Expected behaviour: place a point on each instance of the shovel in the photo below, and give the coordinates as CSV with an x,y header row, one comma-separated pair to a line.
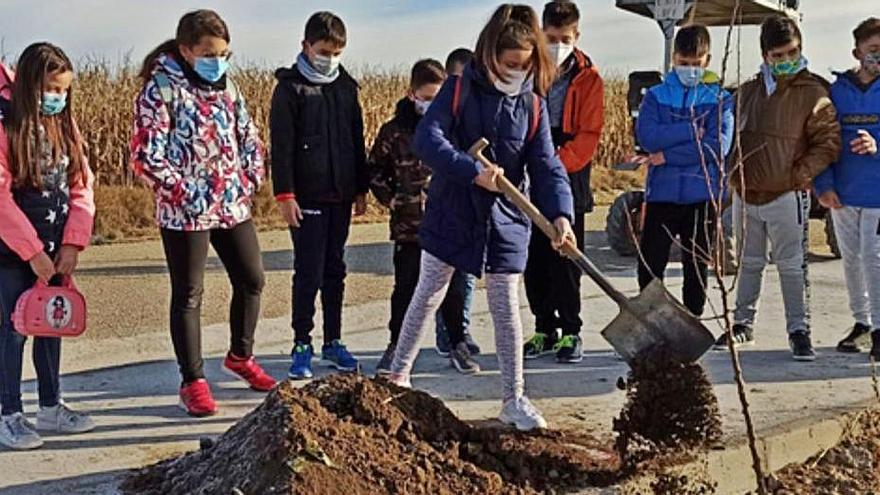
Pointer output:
x,y
650,324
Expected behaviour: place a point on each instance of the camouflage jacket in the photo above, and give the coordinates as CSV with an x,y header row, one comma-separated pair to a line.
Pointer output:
x,y
398,178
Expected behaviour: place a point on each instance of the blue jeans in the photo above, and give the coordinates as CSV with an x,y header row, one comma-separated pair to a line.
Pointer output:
x,y
15,279
462,283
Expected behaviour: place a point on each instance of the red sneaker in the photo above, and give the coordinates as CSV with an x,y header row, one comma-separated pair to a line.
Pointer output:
x,y
249,371
196,399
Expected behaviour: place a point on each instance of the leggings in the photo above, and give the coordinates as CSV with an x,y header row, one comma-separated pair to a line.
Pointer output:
x,y
503,296
186,254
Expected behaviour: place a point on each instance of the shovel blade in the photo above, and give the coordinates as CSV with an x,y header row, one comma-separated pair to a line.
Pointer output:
x,y
655,322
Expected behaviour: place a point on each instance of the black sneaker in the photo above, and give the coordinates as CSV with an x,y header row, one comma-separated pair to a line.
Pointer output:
x,y
443,346
384,366
801,346
570,349
461,359
742,335
875,344
472,345
855,339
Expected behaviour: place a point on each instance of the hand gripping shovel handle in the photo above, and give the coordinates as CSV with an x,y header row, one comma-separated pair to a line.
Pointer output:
x,y
569,250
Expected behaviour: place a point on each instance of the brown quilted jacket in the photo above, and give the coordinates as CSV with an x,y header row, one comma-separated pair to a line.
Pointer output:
x,y
786,139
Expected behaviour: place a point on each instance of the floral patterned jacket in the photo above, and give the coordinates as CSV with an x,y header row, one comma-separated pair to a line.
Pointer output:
x,y
200,153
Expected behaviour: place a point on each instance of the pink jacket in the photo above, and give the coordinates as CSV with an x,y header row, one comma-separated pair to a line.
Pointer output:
x,y
17,231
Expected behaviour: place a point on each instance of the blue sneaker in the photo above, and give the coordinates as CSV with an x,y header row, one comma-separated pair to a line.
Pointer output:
x,y
301,369
337,356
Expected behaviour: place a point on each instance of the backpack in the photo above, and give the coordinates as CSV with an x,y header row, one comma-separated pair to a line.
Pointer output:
x,y
166,91
462,91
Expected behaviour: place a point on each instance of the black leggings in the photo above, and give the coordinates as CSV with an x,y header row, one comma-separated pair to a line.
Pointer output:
x,y
186,254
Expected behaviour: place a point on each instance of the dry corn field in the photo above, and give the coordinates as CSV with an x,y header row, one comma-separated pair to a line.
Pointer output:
x,y
104,106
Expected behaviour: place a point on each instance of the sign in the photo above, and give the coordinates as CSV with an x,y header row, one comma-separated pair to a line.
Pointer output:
x,y
669,10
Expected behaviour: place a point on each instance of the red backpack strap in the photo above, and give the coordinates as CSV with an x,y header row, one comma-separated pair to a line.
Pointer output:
x,y
536,116
456,97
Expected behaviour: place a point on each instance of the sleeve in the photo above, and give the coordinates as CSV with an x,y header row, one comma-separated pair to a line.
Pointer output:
x,y
551,190
434,146
282,135
149,145
655,136
578,152
252,151
81,216
824,182
823,142
360,153
15,230
381,168
715,140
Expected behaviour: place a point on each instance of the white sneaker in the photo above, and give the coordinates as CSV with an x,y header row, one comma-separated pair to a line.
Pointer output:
x,y
522,414
400,380
62,419
18,433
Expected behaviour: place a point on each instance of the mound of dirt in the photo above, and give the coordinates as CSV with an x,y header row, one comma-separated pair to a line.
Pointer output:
x,y
670,408
850,467
350,435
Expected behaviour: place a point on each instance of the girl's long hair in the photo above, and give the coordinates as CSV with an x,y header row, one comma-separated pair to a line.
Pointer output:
x,y
37,62
515,27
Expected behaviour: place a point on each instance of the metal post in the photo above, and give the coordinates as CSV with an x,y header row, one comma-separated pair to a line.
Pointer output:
x,y
668,27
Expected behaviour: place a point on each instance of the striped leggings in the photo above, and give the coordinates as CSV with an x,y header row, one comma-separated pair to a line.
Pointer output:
x,y
503,294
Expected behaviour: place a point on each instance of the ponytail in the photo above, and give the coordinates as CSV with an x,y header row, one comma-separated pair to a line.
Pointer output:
x,y
147,68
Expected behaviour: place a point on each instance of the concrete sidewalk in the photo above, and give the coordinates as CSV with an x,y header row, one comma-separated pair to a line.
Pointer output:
x,y
130,384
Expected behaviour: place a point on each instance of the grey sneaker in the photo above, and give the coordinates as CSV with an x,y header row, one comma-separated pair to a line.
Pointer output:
x,y
522,414
384,366
462,361
18,433
62,419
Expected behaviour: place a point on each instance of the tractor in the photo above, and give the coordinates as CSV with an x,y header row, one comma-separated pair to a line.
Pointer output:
x,y
624,221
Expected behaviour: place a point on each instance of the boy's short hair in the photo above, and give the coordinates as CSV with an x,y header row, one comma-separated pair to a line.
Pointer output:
x,y
561,13
693,41
325,26
866,29
459,56
426,71
779,31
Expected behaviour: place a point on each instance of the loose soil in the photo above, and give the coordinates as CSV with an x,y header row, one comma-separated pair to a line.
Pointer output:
x,y
670,408
852,467
351,435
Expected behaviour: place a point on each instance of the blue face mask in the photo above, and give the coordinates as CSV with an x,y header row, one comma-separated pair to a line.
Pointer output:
x,y
53,103
690,76
211,68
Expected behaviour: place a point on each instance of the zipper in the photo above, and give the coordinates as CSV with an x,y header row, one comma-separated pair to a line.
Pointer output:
x,y
573,110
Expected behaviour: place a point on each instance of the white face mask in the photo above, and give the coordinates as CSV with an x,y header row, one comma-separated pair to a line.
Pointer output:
x,y
326,65
559,52
516,80
421,106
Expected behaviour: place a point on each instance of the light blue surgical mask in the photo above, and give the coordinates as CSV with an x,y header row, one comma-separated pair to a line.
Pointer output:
x,y
53,103
690,76
211,68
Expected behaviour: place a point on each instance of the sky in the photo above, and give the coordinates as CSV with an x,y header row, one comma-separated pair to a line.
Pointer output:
x,y
390,33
